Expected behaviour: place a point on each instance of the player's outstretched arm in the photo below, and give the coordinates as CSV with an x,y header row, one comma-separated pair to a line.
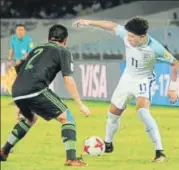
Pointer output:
x,y
108,25
172,92
72,89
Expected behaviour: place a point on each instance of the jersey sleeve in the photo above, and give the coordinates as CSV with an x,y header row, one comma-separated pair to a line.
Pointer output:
x,y
30,45
66,63
162,54
120,31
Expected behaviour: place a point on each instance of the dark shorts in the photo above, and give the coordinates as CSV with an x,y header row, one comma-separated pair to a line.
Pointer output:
x,y
47,105
18,67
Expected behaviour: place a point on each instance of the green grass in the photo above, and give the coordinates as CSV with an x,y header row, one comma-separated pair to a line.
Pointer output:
x,y
42,148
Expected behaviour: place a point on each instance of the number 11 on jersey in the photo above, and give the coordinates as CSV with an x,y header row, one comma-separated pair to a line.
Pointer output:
x,y
134,62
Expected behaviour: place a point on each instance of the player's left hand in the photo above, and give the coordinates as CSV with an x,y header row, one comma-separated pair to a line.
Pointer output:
x,y
81,22
85,110
173,96
24,57
18,62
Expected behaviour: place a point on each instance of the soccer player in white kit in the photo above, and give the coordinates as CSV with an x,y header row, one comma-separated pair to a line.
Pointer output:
x,y
142,51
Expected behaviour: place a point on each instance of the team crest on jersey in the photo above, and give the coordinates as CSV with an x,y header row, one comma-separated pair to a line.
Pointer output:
x,y
31,45
23,51
147,56
167,55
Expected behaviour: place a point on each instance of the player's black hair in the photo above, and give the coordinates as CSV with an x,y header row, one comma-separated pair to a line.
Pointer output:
x,y
137,25
57,33
20,25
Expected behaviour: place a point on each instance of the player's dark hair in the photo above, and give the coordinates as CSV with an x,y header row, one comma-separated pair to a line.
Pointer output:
x,y
57,33
20,25
137,25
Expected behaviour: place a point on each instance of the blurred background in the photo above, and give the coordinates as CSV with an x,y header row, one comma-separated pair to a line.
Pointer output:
x,y
93,48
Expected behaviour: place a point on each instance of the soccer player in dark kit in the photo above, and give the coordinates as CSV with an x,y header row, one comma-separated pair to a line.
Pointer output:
x,y
31,93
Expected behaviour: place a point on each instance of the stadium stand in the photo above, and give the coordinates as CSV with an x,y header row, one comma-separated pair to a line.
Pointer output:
x,y
94,41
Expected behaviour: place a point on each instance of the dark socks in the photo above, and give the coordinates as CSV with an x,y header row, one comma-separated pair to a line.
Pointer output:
x,y
69,139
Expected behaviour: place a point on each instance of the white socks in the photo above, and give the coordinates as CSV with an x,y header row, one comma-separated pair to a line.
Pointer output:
x,y
151,127
113,123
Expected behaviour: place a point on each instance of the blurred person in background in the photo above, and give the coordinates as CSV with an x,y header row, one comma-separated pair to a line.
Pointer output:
x,y
20,46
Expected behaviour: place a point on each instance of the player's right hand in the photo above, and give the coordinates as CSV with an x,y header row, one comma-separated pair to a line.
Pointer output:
x,y
9,63
81,22
84,109
18,62
173,96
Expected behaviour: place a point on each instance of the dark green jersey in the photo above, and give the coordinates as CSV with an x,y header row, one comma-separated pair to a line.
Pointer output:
x,y
41,67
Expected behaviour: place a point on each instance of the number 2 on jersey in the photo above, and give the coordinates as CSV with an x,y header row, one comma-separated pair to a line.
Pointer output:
x,y
36,53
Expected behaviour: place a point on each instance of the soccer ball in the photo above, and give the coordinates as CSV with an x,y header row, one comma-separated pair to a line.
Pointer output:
x,y
94,146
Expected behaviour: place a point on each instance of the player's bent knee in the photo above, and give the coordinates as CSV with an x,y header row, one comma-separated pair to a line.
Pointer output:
x,y
32,121
142,102
65,118
62,120
116,111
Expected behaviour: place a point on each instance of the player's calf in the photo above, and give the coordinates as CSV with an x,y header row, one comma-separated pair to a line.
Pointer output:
x,y
18,132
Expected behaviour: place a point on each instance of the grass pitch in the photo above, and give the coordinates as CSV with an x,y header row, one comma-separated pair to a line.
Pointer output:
x,y
42,147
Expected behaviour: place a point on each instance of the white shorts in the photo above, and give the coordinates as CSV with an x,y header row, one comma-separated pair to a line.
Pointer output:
x,y
128,89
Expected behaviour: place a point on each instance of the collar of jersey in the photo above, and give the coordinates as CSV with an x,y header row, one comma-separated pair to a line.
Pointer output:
x,y
148,41
20,39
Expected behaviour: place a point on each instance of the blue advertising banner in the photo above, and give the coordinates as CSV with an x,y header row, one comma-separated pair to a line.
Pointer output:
x,y
163,72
